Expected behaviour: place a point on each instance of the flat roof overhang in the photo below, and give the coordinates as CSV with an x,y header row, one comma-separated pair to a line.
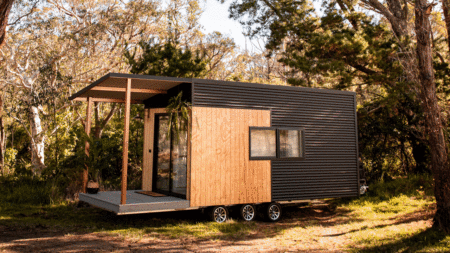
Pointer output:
x,y
112,88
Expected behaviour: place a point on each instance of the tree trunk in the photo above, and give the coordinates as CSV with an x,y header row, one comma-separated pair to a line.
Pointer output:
x,y
445,10
37,141
432,113
5,8
2,137
100,124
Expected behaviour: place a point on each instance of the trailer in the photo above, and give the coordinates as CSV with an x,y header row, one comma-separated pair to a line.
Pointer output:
x,y
251,146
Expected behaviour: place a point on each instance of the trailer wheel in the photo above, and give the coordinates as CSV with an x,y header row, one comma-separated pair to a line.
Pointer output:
x,y
247,212
273,212
219,214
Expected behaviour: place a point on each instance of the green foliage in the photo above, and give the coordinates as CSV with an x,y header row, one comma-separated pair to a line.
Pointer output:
x,y
105,153
347,49
28,190
166,59
324,46
179,116
102,153
390,136
413,185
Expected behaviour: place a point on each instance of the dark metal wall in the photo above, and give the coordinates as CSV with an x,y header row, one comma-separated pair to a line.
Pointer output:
x,y
162,100
330,166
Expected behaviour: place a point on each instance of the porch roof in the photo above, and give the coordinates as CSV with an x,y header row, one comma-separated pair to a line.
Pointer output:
x,y
112,87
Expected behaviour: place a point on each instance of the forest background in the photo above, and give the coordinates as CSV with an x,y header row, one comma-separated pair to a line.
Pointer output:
x,y
393,54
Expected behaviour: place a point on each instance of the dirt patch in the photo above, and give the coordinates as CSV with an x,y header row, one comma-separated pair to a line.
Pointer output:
x,y
99,242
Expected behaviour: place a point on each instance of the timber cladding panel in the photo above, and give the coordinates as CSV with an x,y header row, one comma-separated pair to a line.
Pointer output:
x,y
149,133
221,172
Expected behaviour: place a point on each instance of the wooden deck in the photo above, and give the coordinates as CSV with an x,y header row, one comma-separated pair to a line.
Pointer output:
x,y
136,203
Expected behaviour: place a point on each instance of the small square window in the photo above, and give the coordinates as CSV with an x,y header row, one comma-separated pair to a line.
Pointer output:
x,y
263,143
290,143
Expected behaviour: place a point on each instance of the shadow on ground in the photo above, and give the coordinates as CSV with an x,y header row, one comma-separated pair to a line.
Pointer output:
x,y
45,222
69,228
430,237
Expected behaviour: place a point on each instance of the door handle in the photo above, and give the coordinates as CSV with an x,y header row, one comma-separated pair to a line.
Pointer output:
x,y
149,150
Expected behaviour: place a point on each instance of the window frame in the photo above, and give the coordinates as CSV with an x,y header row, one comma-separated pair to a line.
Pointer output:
x,y
250,143
277,144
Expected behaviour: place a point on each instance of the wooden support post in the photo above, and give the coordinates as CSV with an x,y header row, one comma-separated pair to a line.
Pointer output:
x,y
87,128
126,132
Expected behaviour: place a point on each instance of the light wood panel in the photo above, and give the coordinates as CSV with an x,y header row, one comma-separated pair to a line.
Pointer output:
x,y
107,100
126,134
87,128
221,172
116,89
149,134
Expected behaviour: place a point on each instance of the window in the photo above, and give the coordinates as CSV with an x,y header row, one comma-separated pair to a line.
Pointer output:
x,y
263,143
269,143
290,143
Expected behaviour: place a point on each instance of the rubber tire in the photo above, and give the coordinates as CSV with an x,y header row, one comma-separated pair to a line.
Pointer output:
x,y
269,212
212,211
241,212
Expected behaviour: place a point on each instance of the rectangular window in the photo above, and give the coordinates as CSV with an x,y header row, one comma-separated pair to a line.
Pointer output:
x,y
270,143
263,143
290,143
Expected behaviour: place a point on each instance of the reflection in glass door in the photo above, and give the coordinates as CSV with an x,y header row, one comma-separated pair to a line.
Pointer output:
x,y
170,159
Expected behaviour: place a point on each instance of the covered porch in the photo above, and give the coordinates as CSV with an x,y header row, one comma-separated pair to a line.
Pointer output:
x,y
131,89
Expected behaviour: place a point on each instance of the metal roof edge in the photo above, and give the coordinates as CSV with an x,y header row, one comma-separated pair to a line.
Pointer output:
x,y
85,89
150,77
272,86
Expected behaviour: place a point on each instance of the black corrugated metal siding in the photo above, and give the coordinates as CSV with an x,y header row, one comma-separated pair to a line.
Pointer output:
x,y
330,166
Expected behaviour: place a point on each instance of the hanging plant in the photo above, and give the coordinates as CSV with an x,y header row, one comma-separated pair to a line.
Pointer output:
x,y
179,116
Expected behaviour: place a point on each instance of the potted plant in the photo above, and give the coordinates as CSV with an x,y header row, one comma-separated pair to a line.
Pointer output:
x,y
93,185
179,115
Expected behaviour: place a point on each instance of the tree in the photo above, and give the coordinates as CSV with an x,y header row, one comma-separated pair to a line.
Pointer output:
x,y
433,118
219,51
77,44
349,47
5,8
168,59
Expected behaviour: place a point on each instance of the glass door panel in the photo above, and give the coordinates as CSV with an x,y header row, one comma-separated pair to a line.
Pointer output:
x,y
162,151
170,166
179,163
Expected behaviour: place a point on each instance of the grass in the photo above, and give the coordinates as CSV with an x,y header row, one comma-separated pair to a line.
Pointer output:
x,y
394,217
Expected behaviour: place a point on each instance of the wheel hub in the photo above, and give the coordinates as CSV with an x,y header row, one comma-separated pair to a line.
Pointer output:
x,y
248,212
274,212
220,214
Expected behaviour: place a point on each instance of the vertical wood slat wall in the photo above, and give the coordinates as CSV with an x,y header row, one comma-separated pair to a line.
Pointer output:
x,y
149,133
221,172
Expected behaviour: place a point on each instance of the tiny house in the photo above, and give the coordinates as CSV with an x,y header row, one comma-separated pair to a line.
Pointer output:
x,y
252,146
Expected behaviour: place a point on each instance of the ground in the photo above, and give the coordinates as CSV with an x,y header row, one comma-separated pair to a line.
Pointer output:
x,y
317,227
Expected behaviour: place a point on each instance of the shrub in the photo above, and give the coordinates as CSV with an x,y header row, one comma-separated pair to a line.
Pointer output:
x,y
28,190
413,185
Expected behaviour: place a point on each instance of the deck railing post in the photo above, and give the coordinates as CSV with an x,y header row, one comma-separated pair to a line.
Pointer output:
x,y
126,131
87,129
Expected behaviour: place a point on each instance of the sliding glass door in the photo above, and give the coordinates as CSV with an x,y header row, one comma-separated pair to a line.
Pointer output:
x,y
170,159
